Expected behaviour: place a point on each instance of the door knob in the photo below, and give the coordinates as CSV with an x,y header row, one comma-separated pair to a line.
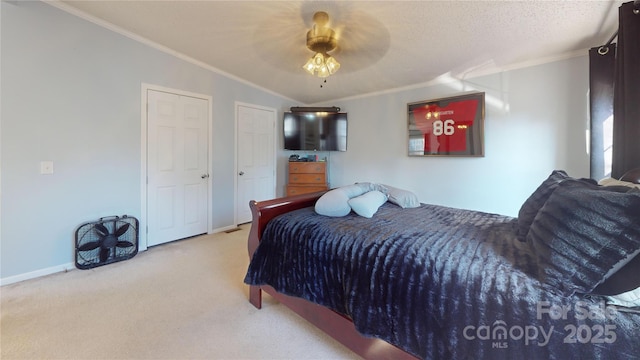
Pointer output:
x,y
241,173
204,176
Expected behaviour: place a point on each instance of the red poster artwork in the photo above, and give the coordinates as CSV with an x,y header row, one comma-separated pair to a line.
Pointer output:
x,y
445,128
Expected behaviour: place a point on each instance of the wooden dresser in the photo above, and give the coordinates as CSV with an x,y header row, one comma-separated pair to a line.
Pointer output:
x,y
306,177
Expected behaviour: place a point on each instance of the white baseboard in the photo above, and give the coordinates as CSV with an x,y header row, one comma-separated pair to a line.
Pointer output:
x,y
37,273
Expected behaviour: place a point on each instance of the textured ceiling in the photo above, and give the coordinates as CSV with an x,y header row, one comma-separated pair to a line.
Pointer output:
x,y
382,45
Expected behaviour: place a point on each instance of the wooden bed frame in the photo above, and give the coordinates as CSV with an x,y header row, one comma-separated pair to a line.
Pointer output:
x,y
332,323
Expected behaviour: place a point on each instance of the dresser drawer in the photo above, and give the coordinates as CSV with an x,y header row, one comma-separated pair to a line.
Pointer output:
x,y
297,190
307,178
306,167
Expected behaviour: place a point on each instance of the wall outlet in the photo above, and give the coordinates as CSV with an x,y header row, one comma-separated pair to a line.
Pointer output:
x,y
46,167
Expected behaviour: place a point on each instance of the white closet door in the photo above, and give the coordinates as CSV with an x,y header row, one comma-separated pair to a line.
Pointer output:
x,y
177,141
256,158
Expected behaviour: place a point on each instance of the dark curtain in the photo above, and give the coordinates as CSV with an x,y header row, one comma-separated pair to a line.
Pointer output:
x,y
626,99
614,80
601,77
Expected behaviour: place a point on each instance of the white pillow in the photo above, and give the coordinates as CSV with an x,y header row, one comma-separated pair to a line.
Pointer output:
x,y
369,186
614,182
368,204
403,198
335,202
353,190
627,299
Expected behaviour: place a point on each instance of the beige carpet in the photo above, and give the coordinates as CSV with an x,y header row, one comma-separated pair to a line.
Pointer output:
x,y
183,300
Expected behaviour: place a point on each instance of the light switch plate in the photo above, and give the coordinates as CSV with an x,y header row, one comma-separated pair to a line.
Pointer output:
x,y
46,167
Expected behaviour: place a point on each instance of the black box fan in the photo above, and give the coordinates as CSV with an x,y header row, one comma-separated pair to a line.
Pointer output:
x,y
106,241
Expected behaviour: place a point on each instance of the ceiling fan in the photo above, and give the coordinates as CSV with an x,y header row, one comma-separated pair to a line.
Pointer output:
x,y
361,40
321,39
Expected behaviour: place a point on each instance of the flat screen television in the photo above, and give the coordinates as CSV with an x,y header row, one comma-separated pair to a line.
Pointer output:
x,y
315,131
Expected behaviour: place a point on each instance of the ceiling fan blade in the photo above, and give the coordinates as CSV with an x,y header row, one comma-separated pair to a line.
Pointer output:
x,y
101,229
89,246
122,229
104,254
124,244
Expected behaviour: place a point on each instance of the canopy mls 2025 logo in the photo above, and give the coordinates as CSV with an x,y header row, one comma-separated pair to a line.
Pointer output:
x,y
500,334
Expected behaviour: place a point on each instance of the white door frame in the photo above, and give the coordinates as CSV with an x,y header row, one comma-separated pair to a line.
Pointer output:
x,y
235,159
142,230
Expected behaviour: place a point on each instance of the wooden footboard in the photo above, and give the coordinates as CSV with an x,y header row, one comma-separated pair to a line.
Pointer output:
x,y
262,212
332,323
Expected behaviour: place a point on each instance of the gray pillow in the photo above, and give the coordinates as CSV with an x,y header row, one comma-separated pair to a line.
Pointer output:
x,y
403,198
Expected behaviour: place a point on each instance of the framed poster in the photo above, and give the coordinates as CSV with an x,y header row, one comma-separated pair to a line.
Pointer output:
x,y
452,126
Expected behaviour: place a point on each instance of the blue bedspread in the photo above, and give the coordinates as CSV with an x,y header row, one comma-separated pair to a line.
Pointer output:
x,y
440,283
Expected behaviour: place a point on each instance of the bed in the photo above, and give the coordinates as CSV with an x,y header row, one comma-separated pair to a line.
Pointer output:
x,y
434,282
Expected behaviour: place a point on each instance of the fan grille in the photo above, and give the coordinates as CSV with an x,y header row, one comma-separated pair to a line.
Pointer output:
x,y
106,241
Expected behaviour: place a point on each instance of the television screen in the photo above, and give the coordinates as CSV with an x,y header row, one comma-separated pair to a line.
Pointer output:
x,y
315,131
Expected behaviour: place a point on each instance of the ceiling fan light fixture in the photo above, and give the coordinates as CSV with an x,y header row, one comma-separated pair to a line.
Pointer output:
x,y
310,66
332,64
323,71
321,39
318,59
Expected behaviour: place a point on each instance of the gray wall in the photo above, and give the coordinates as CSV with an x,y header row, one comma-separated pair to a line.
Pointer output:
x,y
535,122
71,94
